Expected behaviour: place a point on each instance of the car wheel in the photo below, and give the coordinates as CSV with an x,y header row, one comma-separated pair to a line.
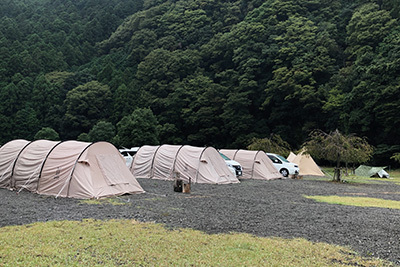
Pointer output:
x,y
284,172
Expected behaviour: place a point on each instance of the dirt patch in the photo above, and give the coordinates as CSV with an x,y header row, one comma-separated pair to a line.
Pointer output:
x,y
263,208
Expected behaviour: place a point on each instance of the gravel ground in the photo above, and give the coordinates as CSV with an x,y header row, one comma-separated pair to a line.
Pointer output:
x,y
263,208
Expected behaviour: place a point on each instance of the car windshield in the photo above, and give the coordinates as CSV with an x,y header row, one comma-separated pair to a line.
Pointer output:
x,y
282,158
224,157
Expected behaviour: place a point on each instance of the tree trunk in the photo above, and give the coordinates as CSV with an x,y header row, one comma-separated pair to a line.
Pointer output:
x,y
336,175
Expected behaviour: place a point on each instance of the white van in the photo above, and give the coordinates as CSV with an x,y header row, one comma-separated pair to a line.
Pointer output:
x,y
284,166
128,154
234,166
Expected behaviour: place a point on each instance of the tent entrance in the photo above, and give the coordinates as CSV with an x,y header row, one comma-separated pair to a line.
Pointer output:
x,y
107,165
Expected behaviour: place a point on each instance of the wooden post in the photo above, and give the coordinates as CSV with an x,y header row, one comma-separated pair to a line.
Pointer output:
x,y
186,187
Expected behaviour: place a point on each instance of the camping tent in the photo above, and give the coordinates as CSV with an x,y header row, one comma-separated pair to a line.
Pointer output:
x,y
197,164
291,156
369,171
255,164
8,153
68,169
306,164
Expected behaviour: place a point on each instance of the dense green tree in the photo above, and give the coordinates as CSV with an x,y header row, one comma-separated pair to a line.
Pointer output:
x,y
122,102
368,27
85,105
338,148
47,133
396,157
9,100
137,129
362,93
212,72
141,43
106,74
46,96
7,130
200,116
25,124
102,131
236,118
83,137
302,63
160,75
273,144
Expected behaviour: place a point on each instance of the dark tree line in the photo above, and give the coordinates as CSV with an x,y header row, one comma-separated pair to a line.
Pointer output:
x,y
200,72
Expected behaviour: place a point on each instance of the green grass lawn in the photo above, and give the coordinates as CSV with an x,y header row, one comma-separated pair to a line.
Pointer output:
x,y
127,242
352,178
358,201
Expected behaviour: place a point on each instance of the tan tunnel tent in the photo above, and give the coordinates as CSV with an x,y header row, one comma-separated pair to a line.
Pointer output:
x,y
306,164
197,164
8,153
255,164
67,169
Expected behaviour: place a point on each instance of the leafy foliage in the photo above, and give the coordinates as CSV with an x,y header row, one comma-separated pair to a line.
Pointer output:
x,y
102,131
396,157
216,73
273,144
137,129
338,148
47,133
85,105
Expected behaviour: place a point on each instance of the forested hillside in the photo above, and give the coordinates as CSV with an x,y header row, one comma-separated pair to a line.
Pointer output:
x,y
200,72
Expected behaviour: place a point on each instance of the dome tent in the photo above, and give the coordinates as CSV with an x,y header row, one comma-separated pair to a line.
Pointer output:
x,y
68,169
197,164
255,164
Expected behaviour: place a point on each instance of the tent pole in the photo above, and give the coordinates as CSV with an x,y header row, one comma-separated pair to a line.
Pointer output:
x,y
73,169
44,161
152,162
176,156
12,181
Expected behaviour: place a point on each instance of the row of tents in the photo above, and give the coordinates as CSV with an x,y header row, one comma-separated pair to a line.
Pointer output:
x,y
95,170
199,164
